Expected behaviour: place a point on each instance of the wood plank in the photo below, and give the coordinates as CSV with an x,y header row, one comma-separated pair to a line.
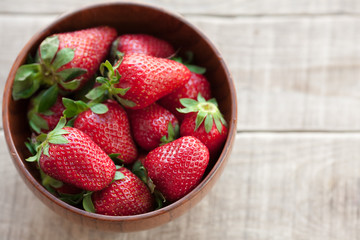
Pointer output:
x,y
290,73
295,186
208,7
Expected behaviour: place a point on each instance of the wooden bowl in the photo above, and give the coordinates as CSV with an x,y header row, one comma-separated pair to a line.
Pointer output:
x,y
126,18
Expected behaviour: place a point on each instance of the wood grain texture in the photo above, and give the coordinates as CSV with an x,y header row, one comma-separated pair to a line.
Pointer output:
x,y
204,7
292,187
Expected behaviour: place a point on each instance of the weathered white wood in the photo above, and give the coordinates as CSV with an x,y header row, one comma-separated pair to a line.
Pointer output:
x,y
275,186
208,7
290,73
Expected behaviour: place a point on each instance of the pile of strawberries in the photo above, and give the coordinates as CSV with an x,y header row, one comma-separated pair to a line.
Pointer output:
x,y
120,124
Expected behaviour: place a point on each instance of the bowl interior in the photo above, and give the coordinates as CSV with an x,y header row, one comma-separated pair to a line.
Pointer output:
x,y
126,18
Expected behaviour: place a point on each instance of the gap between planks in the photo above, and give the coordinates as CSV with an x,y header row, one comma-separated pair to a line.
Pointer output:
x,y
218,16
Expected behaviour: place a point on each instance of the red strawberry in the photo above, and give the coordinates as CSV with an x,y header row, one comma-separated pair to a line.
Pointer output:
x,y
70,156
139,80
200,123
44,120
91,47
176,168
152,126
126,196
146,44
67,59
110,130
196,84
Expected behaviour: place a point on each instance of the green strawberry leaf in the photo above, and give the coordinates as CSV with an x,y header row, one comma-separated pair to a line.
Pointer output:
x,y
73,108
41,137
70,123
99,108
48,98
186,110
115,158
96,93
118,176
189,57
106,65
199,119
72,199
64,56
71,73
218,123
26,71
87,203
46,148
46,180
57,139
31,147
32,159
125,102
27,81
115,54
37,123
139,170
61,124
36,157
173,133
208,123
48,49
159,199
59,132
188,102
114,155
47,113
200,98
70,85
121,91
102,80
196,69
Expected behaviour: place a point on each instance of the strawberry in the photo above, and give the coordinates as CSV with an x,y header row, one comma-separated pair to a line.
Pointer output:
x,y
110,130
196,84
176,168
138,80
70,156
200,123
44,113
152,126
66,59
124,197
143,43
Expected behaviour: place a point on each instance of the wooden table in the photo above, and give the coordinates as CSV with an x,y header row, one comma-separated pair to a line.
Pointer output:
x,y
294,172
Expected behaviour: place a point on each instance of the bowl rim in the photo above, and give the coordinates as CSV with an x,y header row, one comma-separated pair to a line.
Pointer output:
x,y
31,179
